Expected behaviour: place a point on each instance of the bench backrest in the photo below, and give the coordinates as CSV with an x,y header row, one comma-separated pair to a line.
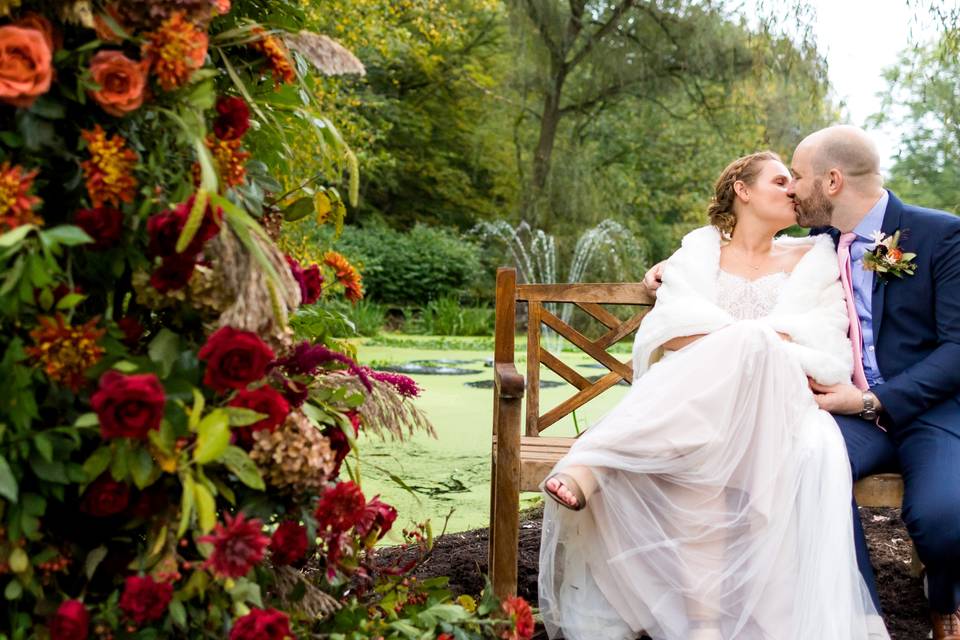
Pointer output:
x,y
590,297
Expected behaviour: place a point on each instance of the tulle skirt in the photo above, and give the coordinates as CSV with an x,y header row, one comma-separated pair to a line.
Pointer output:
x,y
723,502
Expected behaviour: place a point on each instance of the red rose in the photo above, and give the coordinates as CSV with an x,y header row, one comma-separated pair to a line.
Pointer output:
x,y
122,82
103,224
150,502
174,273
70,622
265,400
164,230
312,284
262,624
131,328
340,507
377,517
310,280
105,497
233,119
237,546
165,227
288,545
128,406
144,599
234,359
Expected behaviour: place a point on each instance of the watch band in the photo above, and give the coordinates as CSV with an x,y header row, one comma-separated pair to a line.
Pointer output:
x,y
869,411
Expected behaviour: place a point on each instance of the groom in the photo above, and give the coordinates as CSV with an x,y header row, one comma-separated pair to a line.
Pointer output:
x,y
903,411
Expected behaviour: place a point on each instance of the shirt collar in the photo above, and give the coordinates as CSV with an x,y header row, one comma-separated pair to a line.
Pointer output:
x,y
873,221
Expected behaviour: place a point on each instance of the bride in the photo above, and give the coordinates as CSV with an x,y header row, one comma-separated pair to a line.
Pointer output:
x,y
713,502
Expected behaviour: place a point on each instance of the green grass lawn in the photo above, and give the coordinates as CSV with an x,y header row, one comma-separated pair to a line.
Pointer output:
x,y
452,472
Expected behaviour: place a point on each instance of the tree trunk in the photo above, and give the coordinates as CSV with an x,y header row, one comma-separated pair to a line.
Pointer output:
x,y
549,123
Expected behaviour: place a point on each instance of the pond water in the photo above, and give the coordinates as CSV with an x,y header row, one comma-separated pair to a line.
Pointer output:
x,y
452,472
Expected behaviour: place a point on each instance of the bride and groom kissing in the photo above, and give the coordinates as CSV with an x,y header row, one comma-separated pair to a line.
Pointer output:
x,y
714,501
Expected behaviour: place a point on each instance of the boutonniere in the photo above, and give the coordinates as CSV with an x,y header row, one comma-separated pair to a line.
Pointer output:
x,y
886,257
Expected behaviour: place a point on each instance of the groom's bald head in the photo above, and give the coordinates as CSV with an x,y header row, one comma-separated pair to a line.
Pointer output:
x,y
836,177
843,147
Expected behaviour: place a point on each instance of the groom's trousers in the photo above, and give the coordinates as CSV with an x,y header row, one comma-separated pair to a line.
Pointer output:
x,y
928,457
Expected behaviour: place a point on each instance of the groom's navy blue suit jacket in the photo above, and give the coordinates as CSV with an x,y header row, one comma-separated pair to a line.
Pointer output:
x,y
916,321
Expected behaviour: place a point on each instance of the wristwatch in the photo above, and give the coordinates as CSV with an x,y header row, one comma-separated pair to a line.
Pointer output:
x,y
869,406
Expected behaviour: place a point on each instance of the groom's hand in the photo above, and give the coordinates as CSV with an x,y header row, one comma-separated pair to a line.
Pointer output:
x,y
844,399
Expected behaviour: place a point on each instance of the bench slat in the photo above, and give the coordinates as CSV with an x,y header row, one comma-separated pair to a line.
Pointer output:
x,y
538,455
601,292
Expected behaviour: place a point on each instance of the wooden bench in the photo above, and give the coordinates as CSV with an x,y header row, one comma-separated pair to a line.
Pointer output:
x,y
520,462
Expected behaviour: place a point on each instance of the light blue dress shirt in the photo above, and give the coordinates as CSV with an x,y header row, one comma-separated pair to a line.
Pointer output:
x,y
862,282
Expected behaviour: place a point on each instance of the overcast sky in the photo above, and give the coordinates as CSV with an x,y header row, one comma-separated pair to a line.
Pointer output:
x,y
860,38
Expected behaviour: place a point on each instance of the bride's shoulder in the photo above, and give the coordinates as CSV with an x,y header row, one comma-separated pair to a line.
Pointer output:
x,y
815,254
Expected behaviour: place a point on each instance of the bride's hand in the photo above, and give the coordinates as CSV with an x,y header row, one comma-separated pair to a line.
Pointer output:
x,y
652,278
784,336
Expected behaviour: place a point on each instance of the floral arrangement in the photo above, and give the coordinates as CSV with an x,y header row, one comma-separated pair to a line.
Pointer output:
x,y
886,258
175,456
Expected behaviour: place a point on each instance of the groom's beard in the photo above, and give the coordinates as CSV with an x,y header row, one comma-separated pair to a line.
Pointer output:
x,y
815,211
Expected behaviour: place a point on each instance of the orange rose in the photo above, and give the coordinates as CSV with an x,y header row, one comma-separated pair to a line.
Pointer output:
x,y
26,68
122,82
44,26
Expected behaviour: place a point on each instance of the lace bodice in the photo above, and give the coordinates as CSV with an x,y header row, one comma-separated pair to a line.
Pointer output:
x,y
748,299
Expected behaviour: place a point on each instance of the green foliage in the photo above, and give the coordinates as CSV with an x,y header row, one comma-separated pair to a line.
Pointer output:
x,y
447,122
921,102
412,267
448,317
428,123
367,317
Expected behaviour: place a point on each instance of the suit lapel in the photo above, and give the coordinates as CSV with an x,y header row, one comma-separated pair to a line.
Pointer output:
x,y
891,222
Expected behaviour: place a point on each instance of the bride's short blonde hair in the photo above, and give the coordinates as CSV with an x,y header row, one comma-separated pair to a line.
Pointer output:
x,y
745,169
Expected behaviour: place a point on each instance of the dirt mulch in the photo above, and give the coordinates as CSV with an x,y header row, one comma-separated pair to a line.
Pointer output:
x,y
463,557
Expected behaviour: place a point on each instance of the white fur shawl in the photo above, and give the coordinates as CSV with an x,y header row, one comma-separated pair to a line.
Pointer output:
x,y
810,308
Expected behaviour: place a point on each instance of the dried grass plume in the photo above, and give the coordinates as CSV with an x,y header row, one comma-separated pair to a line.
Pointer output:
x,y
329,56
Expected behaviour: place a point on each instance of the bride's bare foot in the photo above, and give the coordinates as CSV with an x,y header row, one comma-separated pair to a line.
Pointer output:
x,y
571,487
562,492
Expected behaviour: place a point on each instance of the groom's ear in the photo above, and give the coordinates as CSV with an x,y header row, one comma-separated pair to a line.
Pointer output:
x,y
834,181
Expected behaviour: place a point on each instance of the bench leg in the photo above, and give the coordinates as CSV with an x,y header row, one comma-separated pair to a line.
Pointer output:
x,y
505,508
916,564
492,537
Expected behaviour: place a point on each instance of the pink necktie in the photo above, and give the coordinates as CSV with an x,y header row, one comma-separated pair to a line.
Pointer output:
x,y
856,338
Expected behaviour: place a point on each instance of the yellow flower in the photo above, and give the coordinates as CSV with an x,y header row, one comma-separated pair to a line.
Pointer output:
x,y
467,603
109,171
65,351
230,161
175,50
16,201
278,59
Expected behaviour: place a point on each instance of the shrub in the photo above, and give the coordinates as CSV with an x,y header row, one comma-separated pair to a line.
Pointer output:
x,y
447,317
402,267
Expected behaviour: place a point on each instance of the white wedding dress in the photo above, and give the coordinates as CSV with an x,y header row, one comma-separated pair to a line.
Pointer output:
x,y
723,501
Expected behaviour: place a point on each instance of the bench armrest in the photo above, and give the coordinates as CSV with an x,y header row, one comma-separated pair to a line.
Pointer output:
x,y
506,380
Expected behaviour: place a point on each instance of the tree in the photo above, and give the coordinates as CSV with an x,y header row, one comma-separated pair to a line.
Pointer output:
x,y
427,123
921,100
596,54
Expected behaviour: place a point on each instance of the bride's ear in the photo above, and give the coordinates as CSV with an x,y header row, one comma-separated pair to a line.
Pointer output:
x,y
740,188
